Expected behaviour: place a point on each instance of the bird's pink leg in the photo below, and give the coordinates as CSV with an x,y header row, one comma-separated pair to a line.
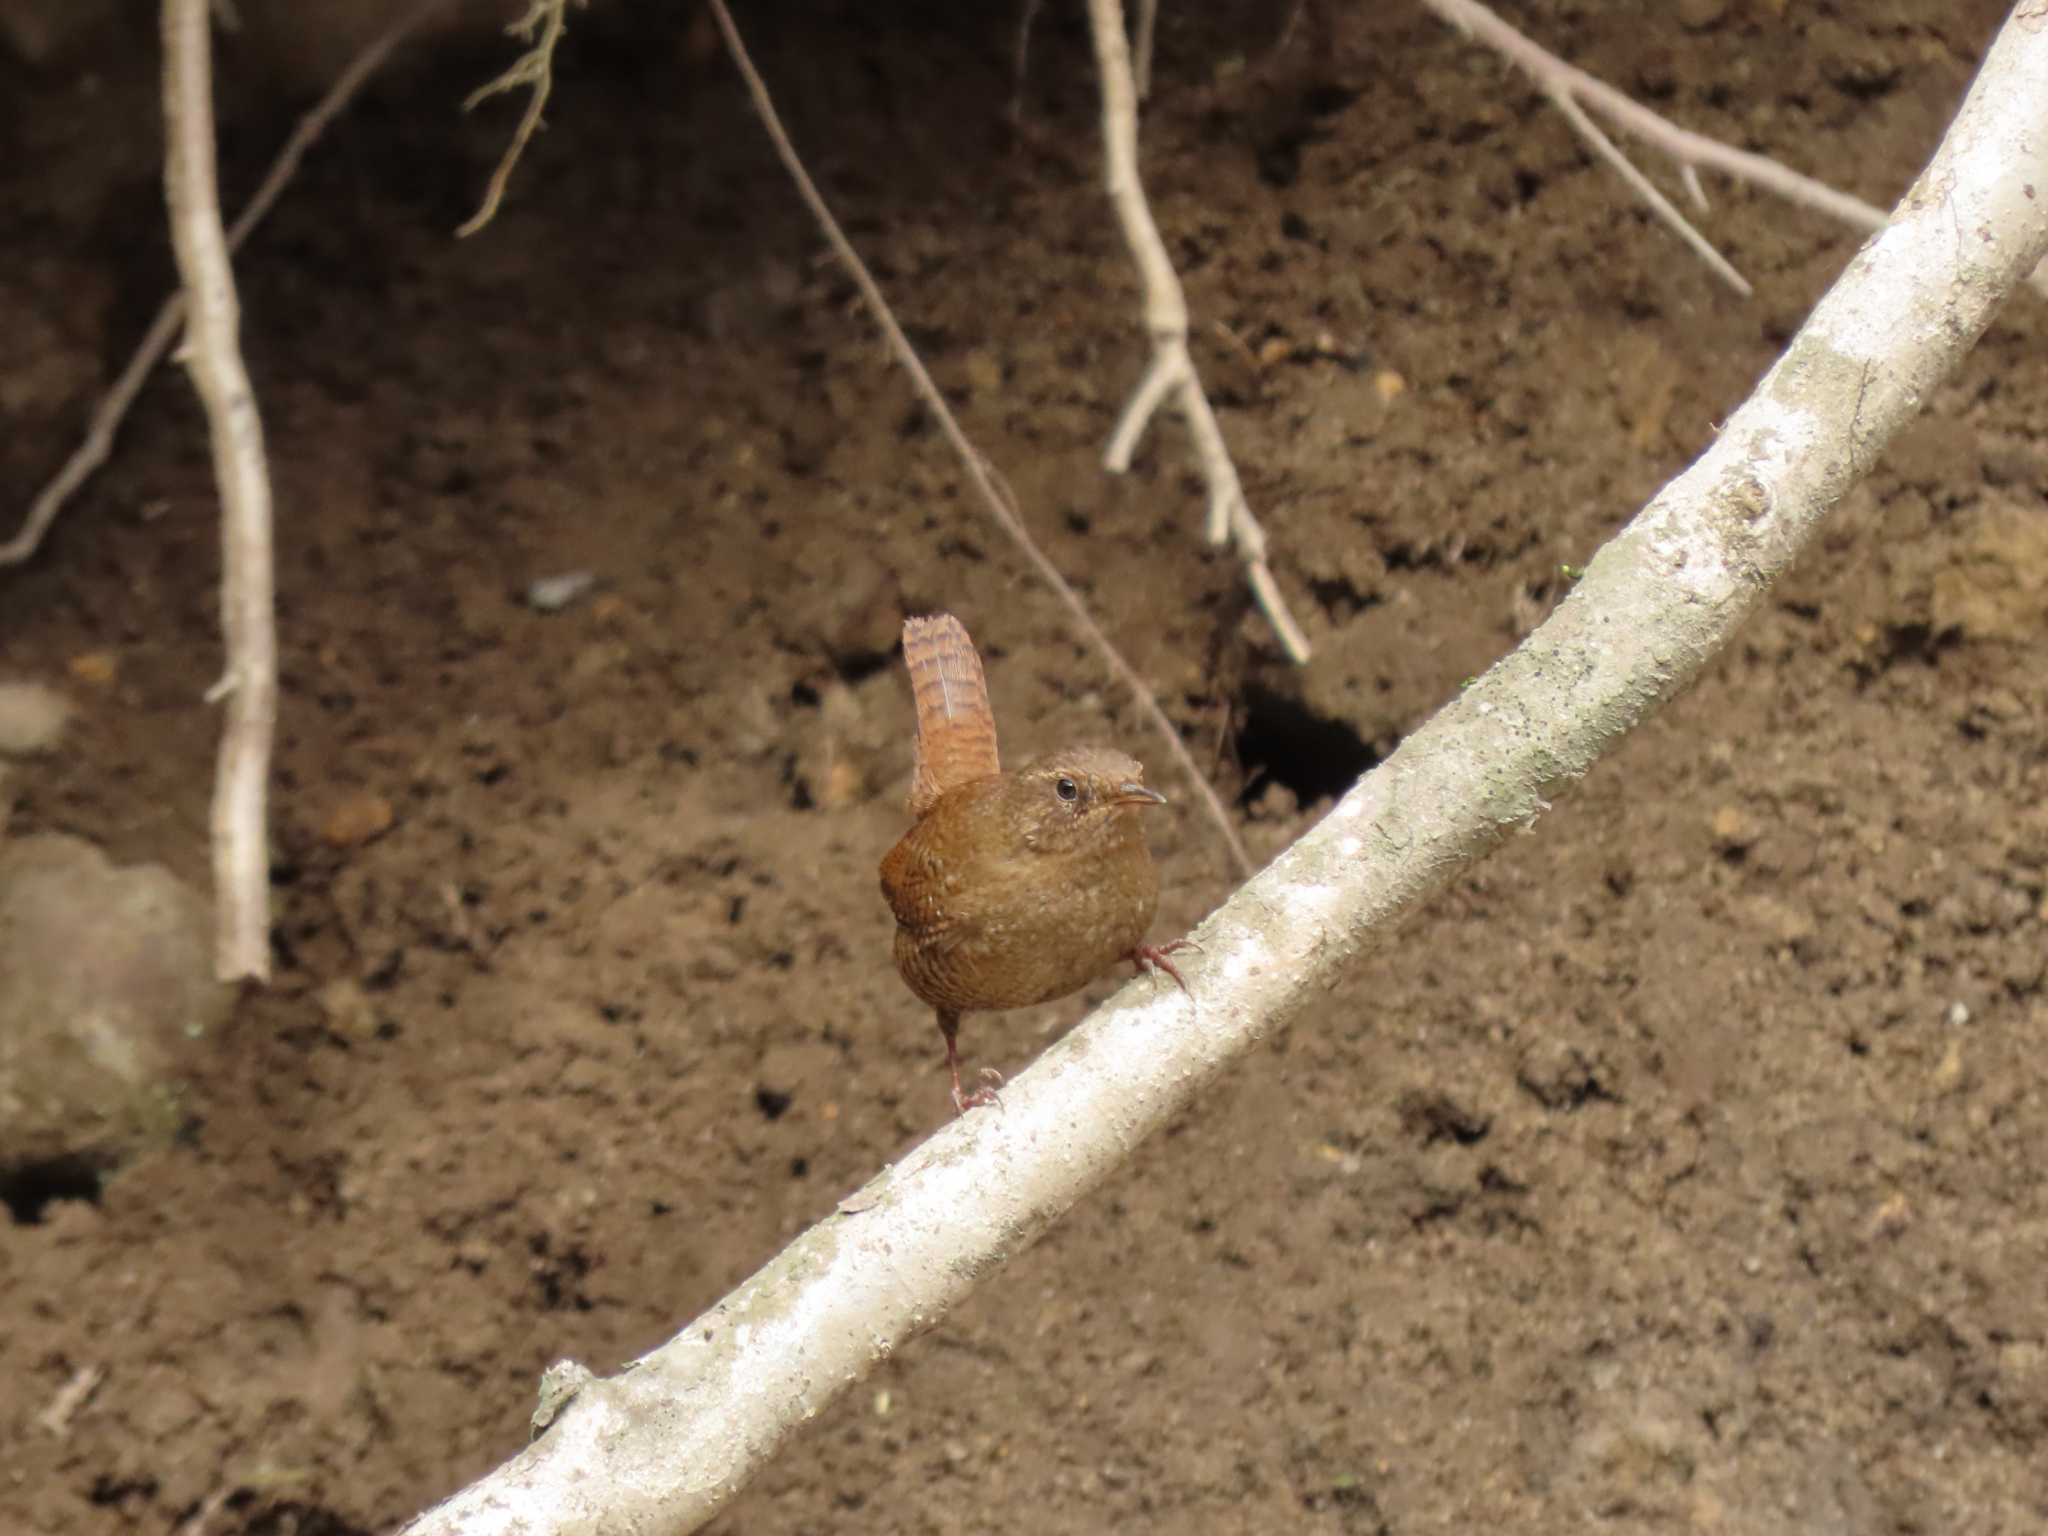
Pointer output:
x,y
949,1026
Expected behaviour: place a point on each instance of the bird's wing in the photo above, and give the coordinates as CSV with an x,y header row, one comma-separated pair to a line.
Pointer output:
x,y
956,729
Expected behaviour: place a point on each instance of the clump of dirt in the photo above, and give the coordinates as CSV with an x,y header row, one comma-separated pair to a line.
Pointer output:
x,y
1679,1165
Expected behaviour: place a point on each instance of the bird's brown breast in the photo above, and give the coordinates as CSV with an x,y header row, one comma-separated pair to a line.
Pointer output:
x,y
985,921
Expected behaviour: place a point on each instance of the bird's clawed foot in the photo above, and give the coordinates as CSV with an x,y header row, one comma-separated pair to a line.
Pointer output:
x,y
1151,958
981,1097
949,1026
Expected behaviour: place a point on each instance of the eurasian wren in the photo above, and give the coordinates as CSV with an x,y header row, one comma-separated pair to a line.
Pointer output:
x,y
1012,888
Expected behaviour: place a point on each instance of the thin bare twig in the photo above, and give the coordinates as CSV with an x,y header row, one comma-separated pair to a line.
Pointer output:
x,y
1660,205
977,468
1681,144
1141,47
213,353
533,69
1172,370
163,330
1021,60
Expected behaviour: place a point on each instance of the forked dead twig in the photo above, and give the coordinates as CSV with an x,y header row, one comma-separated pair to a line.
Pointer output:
x,y
1171,374
534,70
1660,206
1692,152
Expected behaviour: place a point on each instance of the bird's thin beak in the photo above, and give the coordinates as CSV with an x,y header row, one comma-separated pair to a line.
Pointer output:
x,y
1138,794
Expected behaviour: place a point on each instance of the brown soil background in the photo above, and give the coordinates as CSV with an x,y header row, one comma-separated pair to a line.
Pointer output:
x,y
1677,1171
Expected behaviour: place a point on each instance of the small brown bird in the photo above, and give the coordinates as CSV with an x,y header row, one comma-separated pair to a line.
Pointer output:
x,y
1012,888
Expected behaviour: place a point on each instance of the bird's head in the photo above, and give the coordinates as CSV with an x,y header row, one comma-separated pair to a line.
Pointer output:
x,y
1078,798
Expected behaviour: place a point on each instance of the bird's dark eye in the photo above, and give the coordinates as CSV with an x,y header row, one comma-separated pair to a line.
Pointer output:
x,y
1067,789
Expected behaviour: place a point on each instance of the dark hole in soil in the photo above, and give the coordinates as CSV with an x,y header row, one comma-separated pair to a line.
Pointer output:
x,y
300,1520
1283,740
111,1492
30,1187
859,666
